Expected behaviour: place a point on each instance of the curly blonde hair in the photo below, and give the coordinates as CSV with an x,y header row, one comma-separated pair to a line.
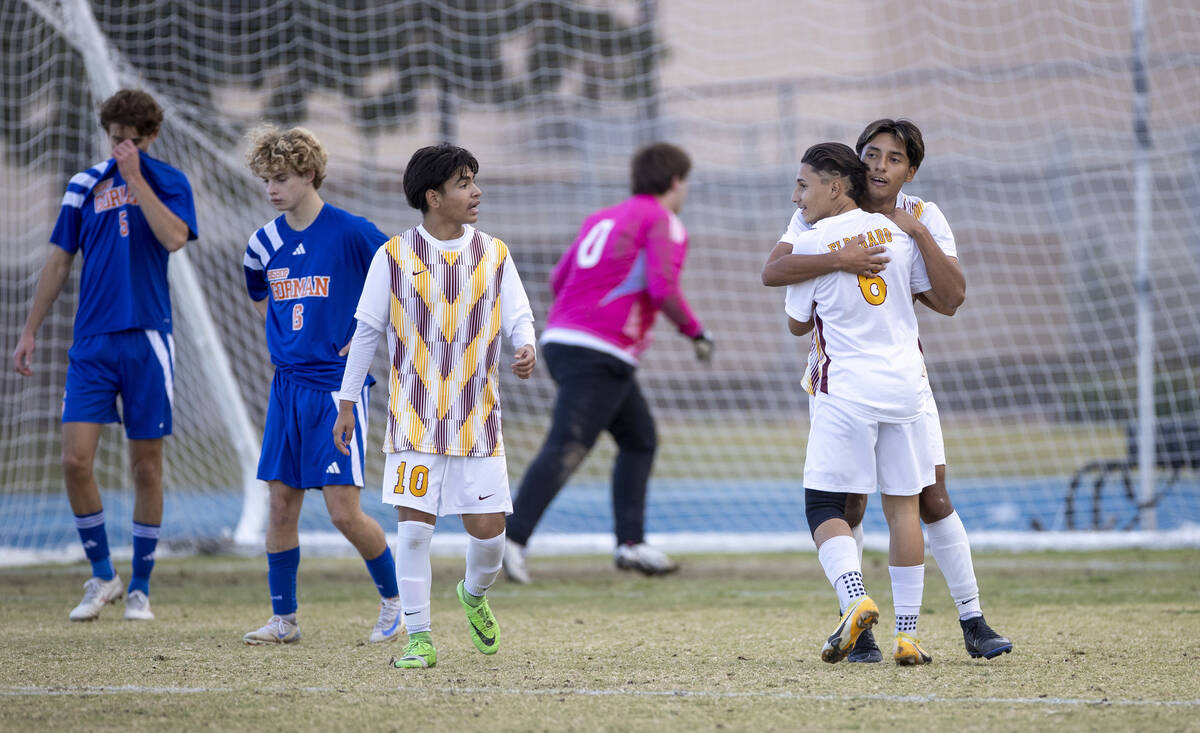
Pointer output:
x,y
273,151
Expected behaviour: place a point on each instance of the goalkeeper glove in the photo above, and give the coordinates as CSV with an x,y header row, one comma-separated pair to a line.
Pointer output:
x,y
703,344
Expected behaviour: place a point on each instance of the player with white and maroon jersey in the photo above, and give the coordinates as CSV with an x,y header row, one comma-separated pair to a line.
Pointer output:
x,y
126,215
304,272
447,295
609,287
866,429
893,151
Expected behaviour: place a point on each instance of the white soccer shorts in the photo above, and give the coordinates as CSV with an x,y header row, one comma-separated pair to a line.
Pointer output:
x,y
446,485
933,430
849,453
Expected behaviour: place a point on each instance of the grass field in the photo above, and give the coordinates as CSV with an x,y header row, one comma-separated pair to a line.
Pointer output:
x,y
1104,641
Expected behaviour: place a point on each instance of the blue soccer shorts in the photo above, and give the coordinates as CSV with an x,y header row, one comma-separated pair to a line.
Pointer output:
x,y
298,444
137,365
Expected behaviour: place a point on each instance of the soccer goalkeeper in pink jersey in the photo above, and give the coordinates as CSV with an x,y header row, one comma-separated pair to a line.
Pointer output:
x,y
608,288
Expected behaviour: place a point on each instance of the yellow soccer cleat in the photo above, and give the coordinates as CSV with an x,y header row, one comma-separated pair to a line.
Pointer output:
x,y
907,651
861,616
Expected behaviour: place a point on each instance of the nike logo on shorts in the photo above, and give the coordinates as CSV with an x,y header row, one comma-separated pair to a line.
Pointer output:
x,y
486,497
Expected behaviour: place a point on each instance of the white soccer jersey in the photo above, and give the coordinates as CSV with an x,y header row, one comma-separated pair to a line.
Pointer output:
x,y
925,212
934,220
865,330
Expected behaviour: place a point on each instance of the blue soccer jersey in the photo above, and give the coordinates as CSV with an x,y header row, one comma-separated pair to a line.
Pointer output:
x,y
123,284
313,279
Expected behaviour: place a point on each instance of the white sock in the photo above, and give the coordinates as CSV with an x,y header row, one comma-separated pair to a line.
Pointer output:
x,y
857,533
948,540
484,558
414,574
839,557
908,584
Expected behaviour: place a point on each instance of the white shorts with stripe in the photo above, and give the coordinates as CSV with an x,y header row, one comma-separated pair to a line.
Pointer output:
x,y
445,485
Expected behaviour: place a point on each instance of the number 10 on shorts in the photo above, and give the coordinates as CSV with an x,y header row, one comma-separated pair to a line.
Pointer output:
x,y
418,479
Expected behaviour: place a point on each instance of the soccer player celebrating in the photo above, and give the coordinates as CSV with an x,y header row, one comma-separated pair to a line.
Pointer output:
x,y
304,271
445,293
893,151
866,429
608,288
126,214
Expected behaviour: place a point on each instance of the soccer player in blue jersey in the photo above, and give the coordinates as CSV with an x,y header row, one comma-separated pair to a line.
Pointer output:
x,y
305,271
126,214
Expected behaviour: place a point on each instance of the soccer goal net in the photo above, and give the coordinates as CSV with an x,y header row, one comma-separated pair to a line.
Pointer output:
x,y
1060,138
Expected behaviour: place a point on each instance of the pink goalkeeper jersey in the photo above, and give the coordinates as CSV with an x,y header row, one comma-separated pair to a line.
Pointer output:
x,y
621,271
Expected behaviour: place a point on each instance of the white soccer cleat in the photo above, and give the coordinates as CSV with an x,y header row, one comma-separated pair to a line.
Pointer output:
x,y
277,631
137,607
644,558
97,594
514,562
389,625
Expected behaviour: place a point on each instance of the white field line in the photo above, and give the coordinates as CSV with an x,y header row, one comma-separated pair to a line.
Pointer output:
x,y
100,690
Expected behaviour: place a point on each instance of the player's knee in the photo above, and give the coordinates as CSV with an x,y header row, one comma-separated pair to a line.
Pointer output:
x,y
283,511
76,466
821,506
345,520
935,503
856,507
147,474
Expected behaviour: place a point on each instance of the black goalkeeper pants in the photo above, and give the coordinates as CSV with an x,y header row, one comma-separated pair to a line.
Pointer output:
x,y
596,392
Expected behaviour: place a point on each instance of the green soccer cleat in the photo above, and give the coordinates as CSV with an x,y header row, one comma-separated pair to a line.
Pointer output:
x,y
485,632
419,653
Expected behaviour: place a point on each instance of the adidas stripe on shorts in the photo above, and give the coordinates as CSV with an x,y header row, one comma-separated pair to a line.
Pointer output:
x,y
298,444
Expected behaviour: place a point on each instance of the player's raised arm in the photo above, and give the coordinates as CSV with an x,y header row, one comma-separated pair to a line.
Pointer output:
x,y
171,231
948,286
785,268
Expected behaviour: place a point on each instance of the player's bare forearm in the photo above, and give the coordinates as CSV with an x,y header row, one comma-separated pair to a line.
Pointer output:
x,y
949,286
936,307
261,306
784,268
343,427
170,231
945,276
50,284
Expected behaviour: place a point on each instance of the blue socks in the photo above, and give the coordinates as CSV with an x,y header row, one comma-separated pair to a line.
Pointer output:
x,y
145,540
95,543
282,568
383,572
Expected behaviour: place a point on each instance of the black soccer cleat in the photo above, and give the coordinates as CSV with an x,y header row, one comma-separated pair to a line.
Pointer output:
x,y
981,640
865,649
